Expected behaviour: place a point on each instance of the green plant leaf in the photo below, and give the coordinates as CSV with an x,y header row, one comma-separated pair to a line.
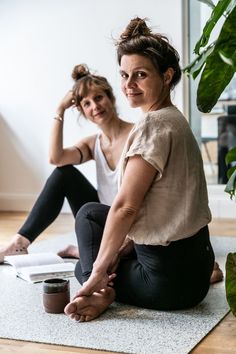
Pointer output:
x,y
226,59
230,281
231,185
208,2
230,7
216,14
230,156
217,74
230,171
195,67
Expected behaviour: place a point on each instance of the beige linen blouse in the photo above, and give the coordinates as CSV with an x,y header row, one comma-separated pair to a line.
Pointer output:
x,y
176,205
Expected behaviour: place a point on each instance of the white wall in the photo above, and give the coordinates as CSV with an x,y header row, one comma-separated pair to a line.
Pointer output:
x,y
41,41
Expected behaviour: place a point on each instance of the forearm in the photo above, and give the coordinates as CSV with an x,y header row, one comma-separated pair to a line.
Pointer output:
x,y
56,150
118,224
125,249
56,138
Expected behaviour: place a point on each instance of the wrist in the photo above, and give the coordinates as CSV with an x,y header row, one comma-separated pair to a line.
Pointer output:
x,y
59,118
60,112
99,268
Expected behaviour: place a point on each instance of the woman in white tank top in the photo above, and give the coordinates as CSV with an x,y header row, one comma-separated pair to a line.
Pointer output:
x,y
92,95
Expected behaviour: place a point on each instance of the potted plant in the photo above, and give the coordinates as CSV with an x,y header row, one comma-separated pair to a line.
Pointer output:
x,y
215,62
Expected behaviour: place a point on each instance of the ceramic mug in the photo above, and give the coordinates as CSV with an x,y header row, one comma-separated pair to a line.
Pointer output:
x,y
56,295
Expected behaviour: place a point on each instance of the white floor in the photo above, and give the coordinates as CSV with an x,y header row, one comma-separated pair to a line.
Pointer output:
x,y
220,203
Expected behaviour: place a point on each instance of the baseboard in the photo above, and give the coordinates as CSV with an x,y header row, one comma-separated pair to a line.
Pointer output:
x,y
22,202
220,203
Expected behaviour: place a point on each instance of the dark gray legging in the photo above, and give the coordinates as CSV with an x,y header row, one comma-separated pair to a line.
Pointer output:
x,y
64,182
158,277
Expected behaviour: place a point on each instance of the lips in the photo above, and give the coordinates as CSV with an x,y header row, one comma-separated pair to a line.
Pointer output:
x,y
133,94
98,114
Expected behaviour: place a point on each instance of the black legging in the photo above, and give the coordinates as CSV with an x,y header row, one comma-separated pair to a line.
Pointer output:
x,y
64,182
158,277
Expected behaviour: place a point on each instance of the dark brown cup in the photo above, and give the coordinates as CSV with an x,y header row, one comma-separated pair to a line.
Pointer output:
x,y
56,295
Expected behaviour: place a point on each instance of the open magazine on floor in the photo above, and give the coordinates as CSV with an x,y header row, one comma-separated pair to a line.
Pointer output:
x,y
36,267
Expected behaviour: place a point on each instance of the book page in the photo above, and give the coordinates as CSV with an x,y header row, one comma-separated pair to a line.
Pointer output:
x,y
33,259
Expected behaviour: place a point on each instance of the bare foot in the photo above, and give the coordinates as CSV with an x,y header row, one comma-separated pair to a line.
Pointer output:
x,y
217,274
86,308
17,245
70,251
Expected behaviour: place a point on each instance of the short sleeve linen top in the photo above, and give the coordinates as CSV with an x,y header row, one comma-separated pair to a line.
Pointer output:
x,y
176,205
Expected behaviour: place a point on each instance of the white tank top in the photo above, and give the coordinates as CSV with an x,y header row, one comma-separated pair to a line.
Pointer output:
x,y
107,179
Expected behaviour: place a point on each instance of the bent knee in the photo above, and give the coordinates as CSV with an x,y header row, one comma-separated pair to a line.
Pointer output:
x,y
91,209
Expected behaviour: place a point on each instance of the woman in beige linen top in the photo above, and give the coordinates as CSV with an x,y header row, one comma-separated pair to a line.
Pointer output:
x,y
161,208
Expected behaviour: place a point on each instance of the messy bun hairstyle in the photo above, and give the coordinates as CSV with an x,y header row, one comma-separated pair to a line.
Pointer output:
x,y
85,81
79,71
139,39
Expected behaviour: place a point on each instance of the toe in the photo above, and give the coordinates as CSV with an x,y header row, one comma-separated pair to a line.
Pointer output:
x,y
82,318
77,317
217,276
70,309
88,318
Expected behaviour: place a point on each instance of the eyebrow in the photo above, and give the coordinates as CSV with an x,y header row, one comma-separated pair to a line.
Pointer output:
x,y
137,69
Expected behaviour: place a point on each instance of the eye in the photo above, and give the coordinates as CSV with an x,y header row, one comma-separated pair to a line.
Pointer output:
x,y
98,98
141,74
85,104
123,75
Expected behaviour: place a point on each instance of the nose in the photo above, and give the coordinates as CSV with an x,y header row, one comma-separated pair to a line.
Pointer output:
x,y
95,105
130,82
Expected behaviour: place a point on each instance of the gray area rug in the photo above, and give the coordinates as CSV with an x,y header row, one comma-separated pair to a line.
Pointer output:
x,y
121,328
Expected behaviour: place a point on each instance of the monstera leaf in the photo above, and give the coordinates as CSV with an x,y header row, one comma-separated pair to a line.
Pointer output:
x,y
217,73
216,14
231,173
230,156
217,61
230,281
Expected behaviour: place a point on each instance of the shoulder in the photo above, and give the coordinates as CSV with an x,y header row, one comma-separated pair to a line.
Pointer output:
x,y
88,141
164,116
168,119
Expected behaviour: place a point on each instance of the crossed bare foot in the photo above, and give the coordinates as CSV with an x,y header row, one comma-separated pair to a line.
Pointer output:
x,y
69,251
217,274
87,308
17,245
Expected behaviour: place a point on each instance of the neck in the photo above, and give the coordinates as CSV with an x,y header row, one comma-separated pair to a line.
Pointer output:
x,y
112,129
159,104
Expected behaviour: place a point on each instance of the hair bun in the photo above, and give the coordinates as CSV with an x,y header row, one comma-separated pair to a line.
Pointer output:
x,y
79,71
136,27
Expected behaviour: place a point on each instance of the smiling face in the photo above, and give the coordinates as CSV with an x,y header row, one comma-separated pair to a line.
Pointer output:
x,y
141,83
97,107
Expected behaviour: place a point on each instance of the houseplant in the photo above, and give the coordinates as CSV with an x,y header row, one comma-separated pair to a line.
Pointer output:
x,y
215,62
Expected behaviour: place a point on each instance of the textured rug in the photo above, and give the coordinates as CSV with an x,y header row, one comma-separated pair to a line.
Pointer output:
x,y
121,328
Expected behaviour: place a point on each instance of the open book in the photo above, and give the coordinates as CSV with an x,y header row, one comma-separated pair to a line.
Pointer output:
x,y
36,267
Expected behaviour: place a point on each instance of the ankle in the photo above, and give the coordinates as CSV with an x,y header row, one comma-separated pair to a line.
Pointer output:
x,y
20,240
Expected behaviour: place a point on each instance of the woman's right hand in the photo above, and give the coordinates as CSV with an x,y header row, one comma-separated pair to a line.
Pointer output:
x,y
66,102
